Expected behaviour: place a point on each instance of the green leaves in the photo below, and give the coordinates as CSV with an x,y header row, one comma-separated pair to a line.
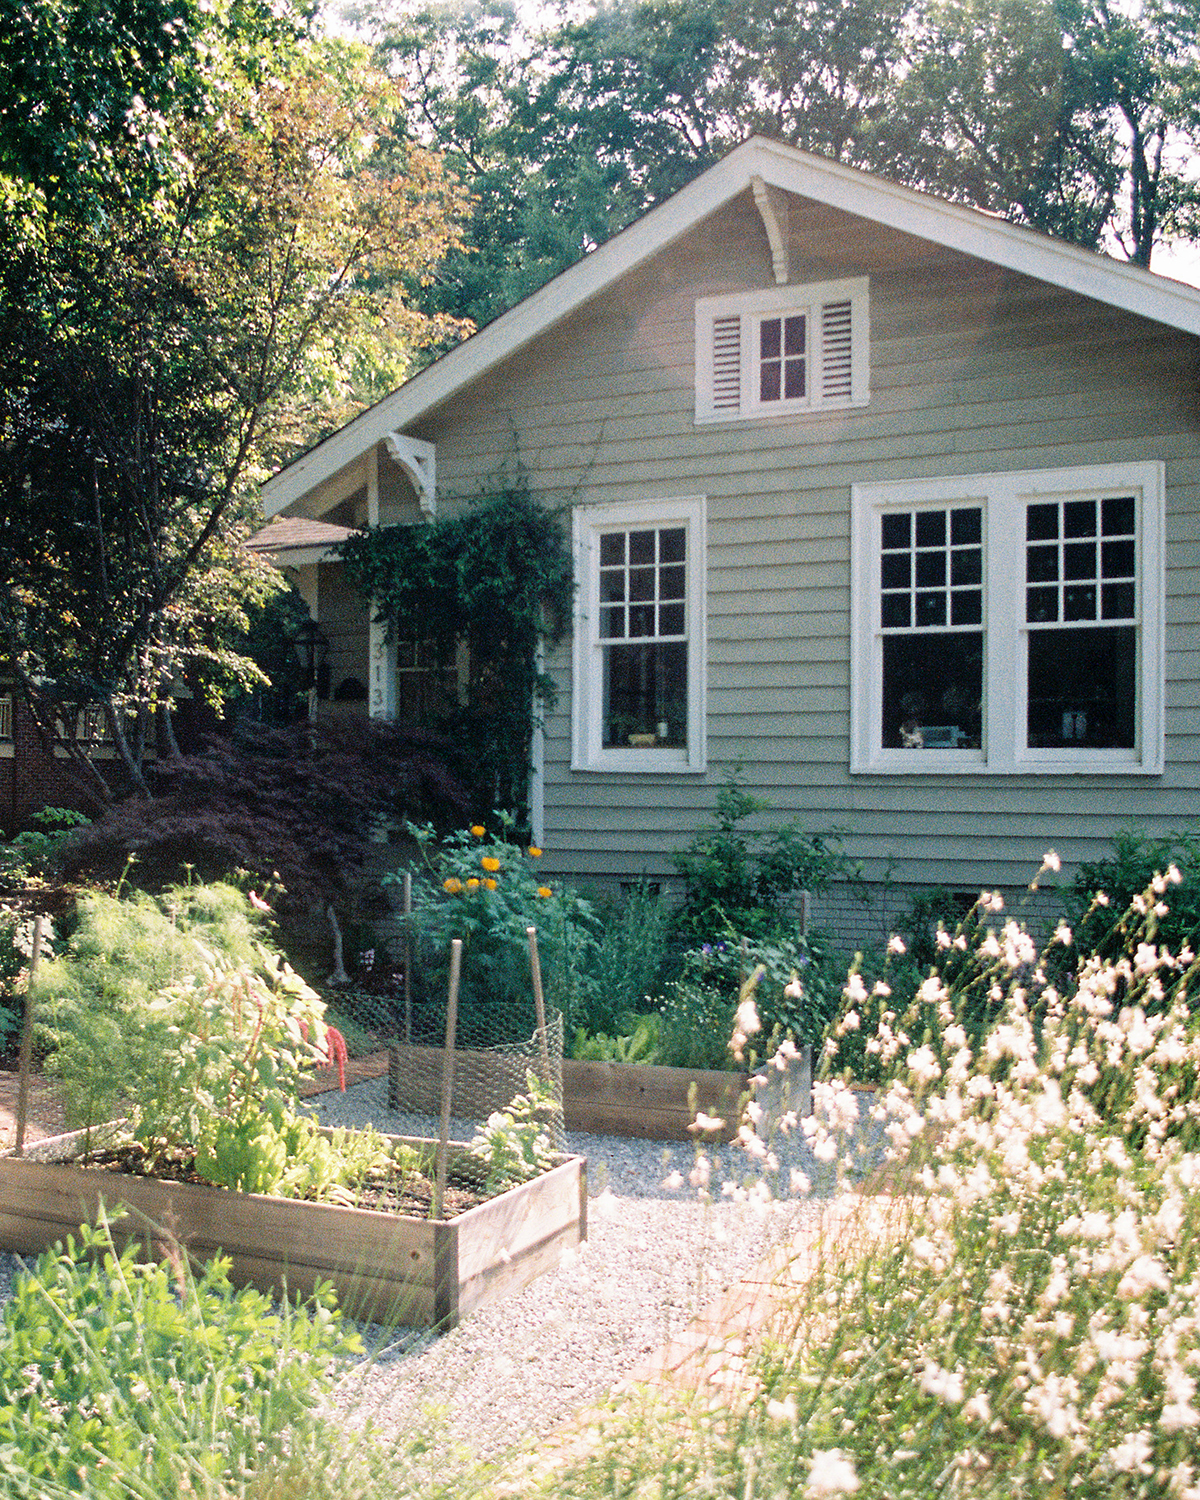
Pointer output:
x,y
497,576
147,1377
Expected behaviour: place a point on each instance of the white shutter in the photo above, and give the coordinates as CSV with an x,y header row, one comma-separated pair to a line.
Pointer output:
x,y
727,363
836,346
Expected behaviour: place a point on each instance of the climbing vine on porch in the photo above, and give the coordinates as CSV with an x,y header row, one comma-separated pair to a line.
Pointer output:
x,y
497,576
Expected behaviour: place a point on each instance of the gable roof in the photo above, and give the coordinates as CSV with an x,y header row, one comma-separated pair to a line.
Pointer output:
x,y
951,225
295,540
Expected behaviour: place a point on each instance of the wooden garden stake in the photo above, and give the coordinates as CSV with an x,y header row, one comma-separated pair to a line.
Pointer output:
x,y
408,958
27,1039
539,1003
439,1185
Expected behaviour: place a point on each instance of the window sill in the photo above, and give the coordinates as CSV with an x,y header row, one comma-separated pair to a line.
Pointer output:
x,y
939,763
641,762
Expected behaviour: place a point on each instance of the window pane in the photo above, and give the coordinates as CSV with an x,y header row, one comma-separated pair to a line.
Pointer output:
x,y
793,380
1041,605
612,623
794,337
671,544
769,386
641,546
641,619
769,345
896,611
1041,564
1079,560
1117,601
897,530
1041,523
897,570
1117,516
966,525
933,691
645,695
641,583
1079,518
1079,602
672,583
612,586
966,565
931,608
1083,688
612,548
670,619
931,569
966,607
1117,559
931,528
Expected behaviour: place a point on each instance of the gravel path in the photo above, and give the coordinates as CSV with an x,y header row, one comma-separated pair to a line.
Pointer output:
x,y
655,1257
517,1368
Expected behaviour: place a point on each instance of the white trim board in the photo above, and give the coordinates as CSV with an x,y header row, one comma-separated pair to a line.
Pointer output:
x,y
951,225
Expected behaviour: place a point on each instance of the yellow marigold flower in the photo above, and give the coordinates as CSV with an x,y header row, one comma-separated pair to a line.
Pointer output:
x,y
453,885
490,862
535,852
473,882
490,883
478,830
544,890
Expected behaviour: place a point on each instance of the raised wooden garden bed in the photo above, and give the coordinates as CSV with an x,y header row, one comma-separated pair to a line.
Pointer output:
x,y
386,1267
627,1099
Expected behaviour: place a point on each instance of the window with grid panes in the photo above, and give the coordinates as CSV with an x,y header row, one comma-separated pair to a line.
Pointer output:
x,y
1008,622
643,632
638,654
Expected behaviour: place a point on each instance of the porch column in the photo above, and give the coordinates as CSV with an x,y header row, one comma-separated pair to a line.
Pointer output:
x,y
381,651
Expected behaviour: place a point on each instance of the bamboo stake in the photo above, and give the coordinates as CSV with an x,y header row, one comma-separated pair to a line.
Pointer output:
x,y
408,958
27,1039
539,1003
439,1185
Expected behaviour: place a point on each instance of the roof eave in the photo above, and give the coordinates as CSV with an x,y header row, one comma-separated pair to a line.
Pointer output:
x,y
952,225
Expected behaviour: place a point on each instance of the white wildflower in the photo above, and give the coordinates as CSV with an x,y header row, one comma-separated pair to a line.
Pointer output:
x,y
830,1473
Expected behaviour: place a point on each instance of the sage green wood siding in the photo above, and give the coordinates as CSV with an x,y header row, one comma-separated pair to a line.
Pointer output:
x,y
973,369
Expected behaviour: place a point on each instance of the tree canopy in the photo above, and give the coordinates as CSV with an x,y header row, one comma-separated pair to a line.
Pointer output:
x,y
224,286
1079,117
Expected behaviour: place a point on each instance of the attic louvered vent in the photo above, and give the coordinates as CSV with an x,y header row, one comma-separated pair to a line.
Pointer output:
x,y
782,352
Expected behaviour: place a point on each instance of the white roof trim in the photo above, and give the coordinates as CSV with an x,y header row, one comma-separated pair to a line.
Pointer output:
x,y
949,224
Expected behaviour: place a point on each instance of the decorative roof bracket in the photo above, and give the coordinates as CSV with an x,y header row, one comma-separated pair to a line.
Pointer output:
x,y
773,207
419,461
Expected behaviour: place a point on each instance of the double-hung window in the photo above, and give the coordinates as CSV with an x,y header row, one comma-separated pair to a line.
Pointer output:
x,y
638,700
783,351
1009,622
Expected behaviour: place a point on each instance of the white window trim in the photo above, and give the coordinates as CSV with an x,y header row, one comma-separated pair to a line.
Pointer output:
x,y
749,307
1003,497
588,752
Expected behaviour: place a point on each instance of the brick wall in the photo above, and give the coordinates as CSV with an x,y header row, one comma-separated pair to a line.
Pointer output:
x,y
32,777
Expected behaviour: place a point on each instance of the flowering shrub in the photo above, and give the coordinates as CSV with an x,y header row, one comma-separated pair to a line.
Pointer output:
x,y
489,892
1014,1307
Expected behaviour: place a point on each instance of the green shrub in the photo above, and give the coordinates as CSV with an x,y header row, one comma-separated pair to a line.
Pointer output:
x,y
121,1376
1103,896
627,962
95,997
744,883
786,961
695,1025
33,854
638,1044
